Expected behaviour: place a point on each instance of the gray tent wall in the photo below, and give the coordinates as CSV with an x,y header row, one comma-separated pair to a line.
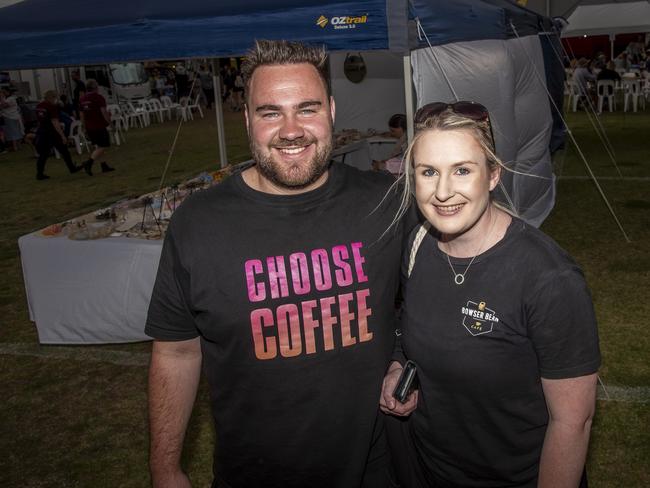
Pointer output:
x,y
507,76
370,103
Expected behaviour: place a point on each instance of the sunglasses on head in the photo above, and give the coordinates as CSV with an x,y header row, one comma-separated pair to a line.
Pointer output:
x,y
471,110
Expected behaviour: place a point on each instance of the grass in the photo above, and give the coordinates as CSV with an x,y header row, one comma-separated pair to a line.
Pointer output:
x,y
82,422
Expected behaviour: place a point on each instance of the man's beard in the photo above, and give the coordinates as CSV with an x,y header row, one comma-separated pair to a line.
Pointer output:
x,y
298,175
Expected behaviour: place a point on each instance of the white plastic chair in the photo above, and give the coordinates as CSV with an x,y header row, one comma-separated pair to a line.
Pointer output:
x,y
152,112
131,118
79,138
606,89
184,109
645,84
632,91
156,108
115,135
169,107
137,116
574,95
195,106
117,119
141,110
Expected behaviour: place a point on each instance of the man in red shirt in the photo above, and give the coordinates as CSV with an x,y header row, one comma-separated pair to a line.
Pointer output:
x,y
50,135
95,117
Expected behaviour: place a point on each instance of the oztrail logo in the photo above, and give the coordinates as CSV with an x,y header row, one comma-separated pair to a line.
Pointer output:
x,y
342,22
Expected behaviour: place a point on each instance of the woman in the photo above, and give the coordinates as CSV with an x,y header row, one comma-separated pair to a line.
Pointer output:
x,y
497,318
13,125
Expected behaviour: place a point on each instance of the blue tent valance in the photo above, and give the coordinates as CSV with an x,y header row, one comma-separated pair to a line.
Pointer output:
x,y
49,33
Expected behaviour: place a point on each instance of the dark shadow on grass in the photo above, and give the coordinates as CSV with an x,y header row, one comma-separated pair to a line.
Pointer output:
x,y
643,204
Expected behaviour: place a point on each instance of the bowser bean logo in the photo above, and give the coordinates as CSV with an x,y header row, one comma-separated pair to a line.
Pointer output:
x,y
478,319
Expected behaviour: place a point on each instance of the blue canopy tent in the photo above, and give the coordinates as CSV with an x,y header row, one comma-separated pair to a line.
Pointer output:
x,y
51,33
48,33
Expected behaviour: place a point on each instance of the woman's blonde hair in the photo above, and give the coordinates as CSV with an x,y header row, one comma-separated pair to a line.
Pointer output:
x,y
445,120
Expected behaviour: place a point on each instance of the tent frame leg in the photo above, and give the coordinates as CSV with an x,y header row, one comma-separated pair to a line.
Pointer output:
x,y
408,96
218,112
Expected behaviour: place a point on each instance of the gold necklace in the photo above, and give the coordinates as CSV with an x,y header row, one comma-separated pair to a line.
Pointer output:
x,y
459,278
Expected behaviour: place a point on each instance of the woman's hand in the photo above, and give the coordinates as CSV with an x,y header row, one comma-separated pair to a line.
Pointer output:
x,y
387,403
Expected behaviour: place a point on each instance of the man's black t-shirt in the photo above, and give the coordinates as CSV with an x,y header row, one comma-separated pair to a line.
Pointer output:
x,y
523,313
293,298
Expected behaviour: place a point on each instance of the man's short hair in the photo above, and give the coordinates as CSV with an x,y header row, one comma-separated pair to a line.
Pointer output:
x,y
397,121
273,53
91,84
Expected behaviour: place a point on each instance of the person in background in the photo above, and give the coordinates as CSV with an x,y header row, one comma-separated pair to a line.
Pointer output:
x,y
66,105
13,124
621,62
279,284
238,92
498,319
170,90
66,114
229,84
95,119
50,135
78,91
397,128
224,76
160,83
30,121
636,50
181,81
608,73
599,61
205,79
585,80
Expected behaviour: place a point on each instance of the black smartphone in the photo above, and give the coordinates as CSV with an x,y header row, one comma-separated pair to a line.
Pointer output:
x,y
407,382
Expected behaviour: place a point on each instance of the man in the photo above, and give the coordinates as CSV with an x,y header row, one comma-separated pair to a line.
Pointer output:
x,y
95,119
50,134
280,282
78,91
181,81
205,79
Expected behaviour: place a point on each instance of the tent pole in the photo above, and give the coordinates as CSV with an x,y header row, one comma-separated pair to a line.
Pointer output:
x,y
611,46
408,96
218,112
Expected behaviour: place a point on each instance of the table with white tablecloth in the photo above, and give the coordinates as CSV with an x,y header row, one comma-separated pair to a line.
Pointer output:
x,y
88,292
